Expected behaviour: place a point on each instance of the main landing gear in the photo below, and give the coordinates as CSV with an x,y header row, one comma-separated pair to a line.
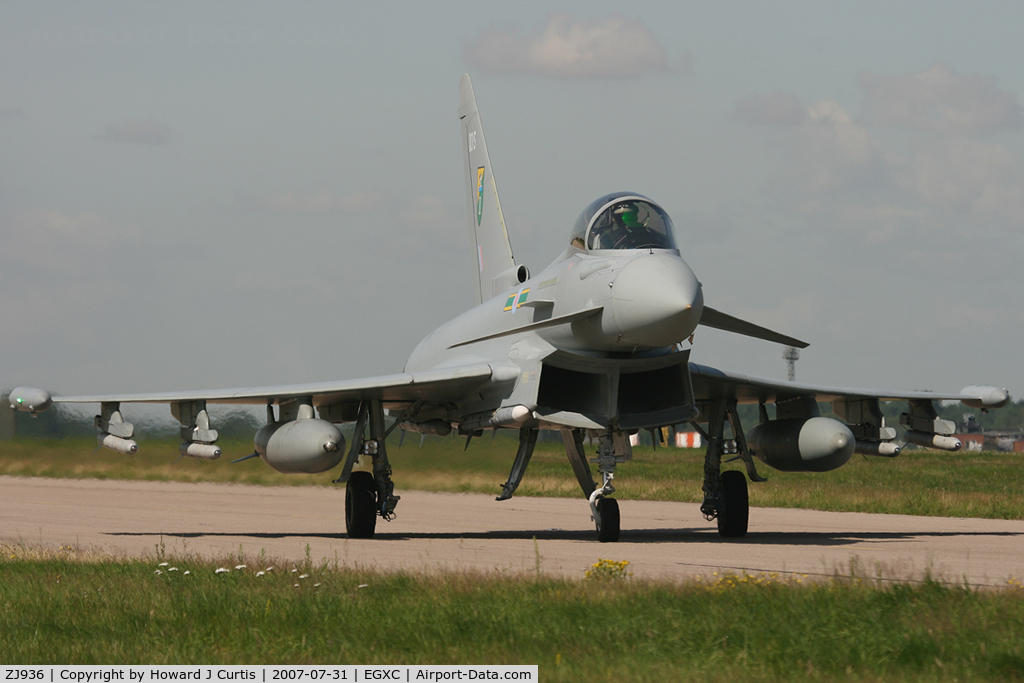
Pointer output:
x,y
368,494
734,506
361,505
725,493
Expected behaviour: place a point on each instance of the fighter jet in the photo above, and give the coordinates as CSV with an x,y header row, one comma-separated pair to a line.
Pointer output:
x,y
594,346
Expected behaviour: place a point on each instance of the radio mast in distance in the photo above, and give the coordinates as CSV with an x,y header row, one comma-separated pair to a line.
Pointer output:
x,y
791,356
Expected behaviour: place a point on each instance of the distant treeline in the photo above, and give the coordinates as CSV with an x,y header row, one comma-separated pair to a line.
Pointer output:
x,y
60,421
241,423
1007,419
1010,418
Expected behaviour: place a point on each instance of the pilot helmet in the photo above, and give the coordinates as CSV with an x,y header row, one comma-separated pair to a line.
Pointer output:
x,y
627,214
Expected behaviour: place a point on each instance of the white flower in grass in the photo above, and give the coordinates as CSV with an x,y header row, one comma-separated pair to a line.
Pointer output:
x,y
222,570
163,564
158,572
172,569
239,566
260,573
363,585
187,572
303,576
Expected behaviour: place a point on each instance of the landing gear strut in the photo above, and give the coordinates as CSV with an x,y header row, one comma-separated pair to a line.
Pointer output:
x,y
725,493
613,449
368,495
527,442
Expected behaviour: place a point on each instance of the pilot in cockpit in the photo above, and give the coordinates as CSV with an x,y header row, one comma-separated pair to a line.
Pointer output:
x,y
622,221
621,226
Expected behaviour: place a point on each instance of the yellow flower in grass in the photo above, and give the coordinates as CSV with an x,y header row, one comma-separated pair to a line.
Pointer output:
x,y
605,570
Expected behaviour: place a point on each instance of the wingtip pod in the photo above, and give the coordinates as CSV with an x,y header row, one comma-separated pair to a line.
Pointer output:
x,y
29,399
983,396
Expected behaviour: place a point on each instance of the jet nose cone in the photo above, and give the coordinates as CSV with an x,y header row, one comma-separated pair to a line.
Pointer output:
x,y
657,301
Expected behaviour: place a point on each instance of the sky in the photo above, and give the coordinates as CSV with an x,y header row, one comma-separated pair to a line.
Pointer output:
x,y
199,195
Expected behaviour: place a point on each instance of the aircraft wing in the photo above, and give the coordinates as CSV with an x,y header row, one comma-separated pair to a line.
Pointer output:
x,y
434,386
712,384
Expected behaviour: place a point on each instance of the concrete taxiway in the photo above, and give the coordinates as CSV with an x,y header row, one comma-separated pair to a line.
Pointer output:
x,y
439,531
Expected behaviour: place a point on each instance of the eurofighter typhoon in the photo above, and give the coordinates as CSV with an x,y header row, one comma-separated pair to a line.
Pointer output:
x,y
591,346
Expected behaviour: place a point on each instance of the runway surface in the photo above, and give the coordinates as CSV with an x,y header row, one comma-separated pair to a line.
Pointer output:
x,y
438,531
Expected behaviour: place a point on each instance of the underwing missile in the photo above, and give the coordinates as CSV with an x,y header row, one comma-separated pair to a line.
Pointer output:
x,y
204,451
886,449
929,440
116,443
502,417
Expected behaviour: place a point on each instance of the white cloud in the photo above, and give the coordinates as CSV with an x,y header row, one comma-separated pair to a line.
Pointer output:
x,y
918,199
138,131
940,100
960,174
318,202
835,154
779,108
567,47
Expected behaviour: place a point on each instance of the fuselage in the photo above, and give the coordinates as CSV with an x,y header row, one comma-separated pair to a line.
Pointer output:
x,y
628,297
645,297
649,301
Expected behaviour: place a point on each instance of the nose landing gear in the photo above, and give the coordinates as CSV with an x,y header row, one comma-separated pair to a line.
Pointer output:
x,y
606,518
613,449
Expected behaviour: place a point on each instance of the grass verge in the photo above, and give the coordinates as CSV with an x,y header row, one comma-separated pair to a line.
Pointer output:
x,y
916,483
62,608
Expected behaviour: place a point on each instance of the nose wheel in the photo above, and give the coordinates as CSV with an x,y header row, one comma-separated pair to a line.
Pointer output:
x,y
606,518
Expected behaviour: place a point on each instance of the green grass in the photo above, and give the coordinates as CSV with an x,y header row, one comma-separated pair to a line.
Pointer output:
x,y
59,609
917,482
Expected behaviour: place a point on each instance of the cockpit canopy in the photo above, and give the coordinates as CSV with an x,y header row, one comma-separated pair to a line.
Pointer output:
x,y
623,220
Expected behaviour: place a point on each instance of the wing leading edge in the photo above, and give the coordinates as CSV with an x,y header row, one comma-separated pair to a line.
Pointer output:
x,y
440,385
712,384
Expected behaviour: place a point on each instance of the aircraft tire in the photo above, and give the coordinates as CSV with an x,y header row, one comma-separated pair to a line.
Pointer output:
x,y
735,510
361,505
607,520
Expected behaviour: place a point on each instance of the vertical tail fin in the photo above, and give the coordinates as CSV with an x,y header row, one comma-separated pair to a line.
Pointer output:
x,y
494,257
